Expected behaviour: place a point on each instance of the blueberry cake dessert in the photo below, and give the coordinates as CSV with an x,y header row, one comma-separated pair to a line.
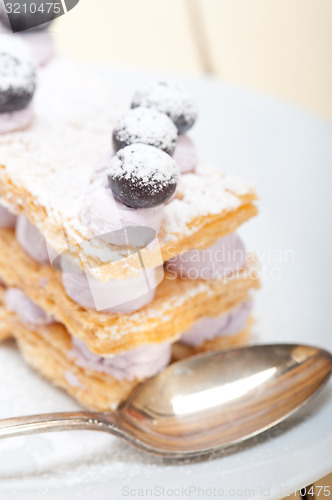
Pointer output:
x,y
118,245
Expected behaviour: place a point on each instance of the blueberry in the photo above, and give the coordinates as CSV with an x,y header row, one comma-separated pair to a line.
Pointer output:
x,y
170,98
142,176
145,126
17,82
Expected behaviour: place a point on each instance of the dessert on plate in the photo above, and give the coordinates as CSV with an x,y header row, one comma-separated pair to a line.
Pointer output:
x,y
118,245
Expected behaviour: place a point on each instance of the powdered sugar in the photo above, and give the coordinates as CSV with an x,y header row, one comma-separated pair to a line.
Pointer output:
x,y
14,45
205,192
73,380
209,327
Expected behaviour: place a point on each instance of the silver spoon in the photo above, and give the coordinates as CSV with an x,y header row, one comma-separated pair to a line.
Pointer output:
x,y
203,403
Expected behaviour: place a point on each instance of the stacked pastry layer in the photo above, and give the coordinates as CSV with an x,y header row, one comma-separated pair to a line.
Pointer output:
x,y
88,312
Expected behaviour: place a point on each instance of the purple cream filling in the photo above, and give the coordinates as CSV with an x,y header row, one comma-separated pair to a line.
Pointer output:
x,y
31,240
129,295
41,44
101,213
17,120
114,296
222,326
29,313
141,362
223,258
185,154
7,219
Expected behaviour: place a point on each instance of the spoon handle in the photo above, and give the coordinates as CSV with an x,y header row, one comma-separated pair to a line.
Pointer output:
x,y
51,422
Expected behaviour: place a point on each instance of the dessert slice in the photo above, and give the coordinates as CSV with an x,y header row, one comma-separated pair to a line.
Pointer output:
x,y
118,253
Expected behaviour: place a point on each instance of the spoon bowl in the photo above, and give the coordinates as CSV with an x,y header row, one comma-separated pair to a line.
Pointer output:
x,y
196,406
203,403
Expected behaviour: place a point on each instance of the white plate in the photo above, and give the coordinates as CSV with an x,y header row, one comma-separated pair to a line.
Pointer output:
x,y
289,154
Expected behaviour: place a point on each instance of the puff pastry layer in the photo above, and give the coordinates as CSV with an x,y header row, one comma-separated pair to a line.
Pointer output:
x,y
177,304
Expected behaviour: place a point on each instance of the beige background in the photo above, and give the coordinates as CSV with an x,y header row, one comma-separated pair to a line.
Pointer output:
x,y
281,47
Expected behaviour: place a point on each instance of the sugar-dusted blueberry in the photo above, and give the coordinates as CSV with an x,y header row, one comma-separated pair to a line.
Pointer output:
x,y
145,126
171,98
142,176
17,82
